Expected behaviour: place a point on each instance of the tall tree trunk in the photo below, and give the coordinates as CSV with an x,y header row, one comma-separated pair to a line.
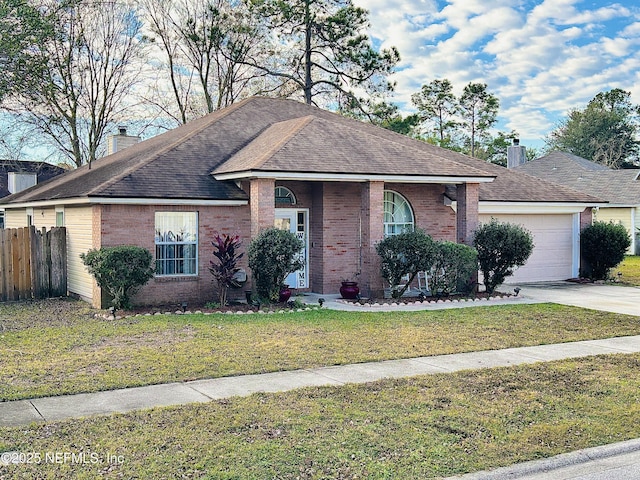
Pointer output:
x,y
307,53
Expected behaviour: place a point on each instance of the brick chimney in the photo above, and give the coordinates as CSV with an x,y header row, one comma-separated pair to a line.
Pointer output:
x,y
516,154
115,143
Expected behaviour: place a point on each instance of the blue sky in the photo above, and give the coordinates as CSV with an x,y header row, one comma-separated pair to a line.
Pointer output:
x,y
541,58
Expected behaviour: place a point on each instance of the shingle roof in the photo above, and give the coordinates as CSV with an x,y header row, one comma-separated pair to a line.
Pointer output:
x,y
277,135
336,147
43,171
618,187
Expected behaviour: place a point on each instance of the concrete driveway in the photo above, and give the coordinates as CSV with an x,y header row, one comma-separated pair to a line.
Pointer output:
x,y
609,298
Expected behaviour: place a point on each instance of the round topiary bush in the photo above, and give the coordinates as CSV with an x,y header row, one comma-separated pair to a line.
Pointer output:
x,y
273,254
404,255
455,268
121,271
603,246
501,248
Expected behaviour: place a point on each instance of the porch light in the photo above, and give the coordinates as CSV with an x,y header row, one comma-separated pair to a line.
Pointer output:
x,y
320,301
517,290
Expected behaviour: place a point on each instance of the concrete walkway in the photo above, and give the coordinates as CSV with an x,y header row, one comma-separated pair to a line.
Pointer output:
x,y
23,412
608,298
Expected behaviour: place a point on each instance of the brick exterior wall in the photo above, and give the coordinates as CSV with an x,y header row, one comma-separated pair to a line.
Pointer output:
x,y
467,212
345,223
431,214
586,219
336,228
262,200
135,225
372,228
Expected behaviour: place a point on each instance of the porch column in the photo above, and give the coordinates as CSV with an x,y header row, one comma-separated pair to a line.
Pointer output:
x,y
467,212
371,232
262,201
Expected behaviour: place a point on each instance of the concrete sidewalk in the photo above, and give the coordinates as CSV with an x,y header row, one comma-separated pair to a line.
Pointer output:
x,y
23,412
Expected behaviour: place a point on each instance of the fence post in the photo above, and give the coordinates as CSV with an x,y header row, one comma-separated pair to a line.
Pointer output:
x,y
3,266
39,267
58,250
15,267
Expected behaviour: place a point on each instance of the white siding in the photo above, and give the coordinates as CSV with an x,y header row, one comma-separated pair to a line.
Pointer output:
x,y
15,218
625,216
79,223
553,253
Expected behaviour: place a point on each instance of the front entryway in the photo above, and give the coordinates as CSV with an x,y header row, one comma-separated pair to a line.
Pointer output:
x,y
296,220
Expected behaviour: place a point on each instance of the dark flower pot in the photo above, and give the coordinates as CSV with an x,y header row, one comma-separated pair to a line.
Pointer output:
x,y
285,294
349,290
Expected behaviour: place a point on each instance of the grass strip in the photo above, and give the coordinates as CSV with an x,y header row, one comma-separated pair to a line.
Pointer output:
x,y
83,354
416,428
630,269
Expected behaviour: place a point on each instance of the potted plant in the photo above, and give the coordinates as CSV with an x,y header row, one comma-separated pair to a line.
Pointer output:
x,y
349,289
285,293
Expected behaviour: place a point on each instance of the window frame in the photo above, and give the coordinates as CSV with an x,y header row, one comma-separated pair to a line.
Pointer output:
x,y
403,225
178,245
288,194
60,211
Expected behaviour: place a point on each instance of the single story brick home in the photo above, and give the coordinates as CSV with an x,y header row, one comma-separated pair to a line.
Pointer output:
x,y
339,184
620,188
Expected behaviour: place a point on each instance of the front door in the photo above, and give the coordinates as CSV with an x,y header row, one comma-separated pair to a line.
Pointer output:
x,y
297,222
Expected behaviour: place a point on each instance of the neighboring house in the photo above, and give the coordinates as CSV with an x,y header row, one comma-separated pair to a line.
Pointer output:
x,y
620,188
18,175
339,184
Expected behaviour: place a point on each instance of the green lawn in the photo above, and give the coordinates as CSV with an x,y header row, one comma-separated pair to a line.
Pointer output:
x,y
417,428
421,427
57,347
630,269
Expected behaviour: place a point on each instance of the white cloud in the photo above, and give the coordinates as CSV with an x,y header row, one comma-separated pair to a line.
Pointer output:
x,y
541,60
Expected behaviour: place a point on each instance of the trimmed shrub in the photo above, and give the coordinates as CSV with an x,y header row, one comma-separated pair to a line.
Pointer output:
x,y
603,246
225,268
502,247
405,254
121,271
273,254
454,270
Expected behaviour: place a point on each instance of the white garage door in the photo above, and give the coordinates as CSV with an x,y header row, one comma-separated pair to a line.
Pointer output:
x,y
552,257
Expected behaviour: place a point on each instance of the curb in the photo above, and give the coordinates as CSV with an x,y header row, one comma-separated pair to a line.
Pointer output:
x,y
548,465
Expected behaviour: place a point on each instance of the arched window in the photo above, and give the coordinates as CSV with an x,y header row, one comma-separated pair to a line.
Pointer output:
x,y
398,216
284,196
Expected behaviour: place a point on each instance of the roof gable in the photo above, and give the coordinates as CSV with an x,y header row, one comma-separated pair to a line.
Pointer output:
x,y
312,144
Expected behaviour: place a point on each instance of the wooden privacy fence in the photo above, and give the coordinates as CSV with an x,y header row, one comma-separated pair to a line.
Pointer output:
x,y
33,263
